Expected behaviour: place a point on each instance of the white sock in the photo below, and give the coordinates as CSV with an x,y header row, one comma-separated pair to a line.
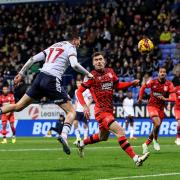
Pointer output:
x,y
135,158
85,133
131,131
77,133
66,129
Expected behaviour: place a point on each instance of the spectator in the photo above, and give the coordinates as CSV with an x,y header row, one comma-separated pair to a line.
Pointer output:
x,y
165,36
176,79
146,78
111,26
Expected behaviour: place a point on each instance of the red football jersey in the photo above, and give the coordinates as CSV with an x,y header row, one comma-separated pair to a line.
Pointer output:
x,y
175,96
101,88
8,99
159,89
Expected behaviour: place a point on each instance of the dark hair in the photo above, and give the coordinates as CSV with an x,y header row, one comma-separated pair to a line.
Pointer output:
x,y
5,85
72,35
97,54
162,67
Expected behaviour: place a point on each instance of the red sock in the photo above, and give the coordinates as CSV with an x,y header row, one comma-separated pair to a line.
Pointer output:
x,y
148,141
126,146
4,132
178,131
92,139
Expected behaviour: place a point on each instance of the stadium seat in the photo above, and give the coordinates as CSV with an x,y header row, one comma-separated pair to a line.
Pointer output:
x,y
161,62
167,46
170,73
155,74
121,79
176,61
126,79
170,77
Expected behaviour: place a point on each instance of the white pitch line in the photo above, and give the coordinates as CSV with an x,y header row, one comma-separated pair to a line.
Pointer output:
x,y
143,176
57,149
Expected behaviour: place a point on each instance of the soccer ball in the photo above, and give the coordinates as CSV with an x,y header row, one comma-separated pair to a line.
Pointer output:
x,y
145,46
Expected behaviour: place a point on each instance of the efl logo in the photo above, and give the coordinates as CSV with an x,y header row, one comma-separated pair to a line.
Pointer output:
x,y
34,112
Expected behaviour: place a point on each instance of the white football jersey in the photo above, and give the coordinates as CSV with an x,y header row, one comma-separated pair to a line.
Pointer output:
x,y
57,58
87,97
128,107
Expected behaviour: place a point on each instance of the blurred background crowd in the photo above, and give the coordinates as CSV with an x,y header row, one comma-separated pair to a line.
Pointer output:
x,y
112,26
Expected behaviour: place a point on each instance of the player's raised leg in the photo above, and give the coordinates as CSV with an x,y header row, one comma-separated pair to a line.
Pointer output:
x,y
70,116
116,129
20,105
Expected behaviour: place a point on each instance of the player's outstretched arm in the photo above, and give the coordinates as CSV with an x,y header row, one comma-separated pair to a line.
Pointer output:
x,y
80,97
77,67
125,85
38,57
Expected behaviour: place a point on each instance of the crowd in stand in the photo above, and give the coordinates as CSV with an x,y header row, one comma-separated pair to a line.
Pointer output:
x,y
112,26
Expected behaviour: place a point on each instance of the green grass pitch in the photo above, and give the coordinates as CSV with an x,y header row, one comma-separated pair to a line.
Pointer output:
x,y
42,158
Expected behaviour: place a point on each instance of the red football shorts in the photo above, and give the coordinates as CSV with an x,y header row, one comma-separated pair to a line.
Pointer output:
x,y
177,114
105,119
6,117
155,112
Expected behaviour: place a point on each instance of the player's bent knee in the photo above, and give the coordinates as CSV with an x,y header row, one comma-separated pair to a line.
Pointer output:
x,y
72,114
157,124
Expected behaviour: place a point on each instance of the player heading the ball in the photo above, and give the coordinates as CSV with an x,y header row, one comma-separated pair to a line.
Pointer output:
x,y
48,82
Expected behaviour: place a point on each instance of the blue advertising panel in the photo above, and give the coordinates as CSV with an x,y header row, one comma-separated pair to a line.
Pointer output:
x,y
142,127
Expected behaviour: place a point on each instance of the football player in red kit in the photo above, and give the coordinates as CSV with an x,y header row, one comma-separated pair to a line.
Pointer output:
x,y
101,88
159,87
175,96
7,98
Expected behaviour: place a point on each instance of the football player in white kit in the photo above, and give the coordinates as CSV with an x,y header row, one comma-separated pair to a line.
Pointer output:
x,y
49,81
80,117
128,107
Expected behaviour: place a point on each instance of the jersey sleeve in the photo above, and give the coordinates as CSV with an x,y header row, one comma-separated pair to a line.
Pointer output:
x,y
172,97
72,51
171,87
0,100
87,83
46,52
149,84
115,78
